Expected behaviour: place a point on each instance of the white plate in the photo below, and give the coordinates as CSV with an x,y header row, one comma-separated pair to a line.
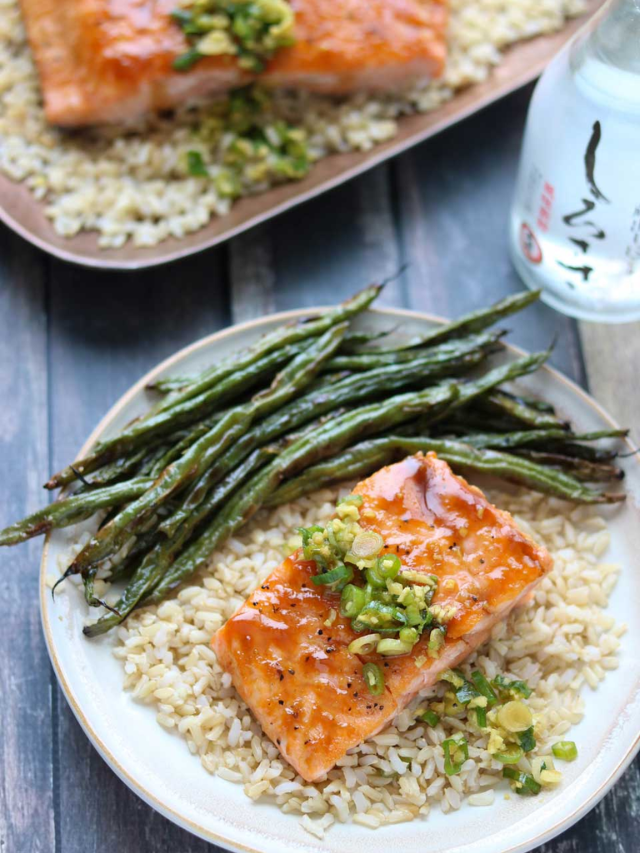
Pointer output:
x,y
159,768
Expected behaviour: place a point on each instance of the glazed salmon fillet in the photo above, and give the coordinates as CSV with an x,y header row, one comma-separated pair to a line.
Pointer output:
x,y
294,670
111,60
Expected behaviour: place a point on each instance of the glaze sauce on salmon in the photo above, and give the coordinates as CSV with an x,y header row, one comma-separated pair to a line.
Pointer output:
x,y
286,647
112,60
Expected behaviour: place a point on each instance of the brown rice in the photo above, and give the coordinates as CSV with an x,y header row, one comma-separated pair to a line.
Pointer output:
x,y
561,642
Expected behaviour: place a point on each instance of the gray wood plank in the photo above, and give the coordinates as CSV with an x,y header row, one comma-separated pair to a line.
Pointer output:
x,y
319,253
26,801
106,331
453,195
612,358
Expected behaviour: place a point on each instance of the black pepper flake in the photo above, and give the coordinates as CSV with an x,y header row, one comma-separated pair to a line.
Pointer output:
x,y
482,561
382,707
356,694
295,728
320,632
255,603
280,701
386,664
306,742
368,707
292,672
278,741
330,650
292,603
282,676
307,658
348,684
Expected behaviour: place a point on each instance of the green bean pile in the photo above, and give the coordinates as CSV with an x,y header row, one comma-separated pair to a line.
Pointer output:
x,y
309,404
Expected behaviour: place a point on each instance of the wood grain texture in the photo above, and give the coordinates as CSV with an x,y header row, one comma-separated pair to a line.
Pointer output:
x,y
104,335
441,209
26,801
612,358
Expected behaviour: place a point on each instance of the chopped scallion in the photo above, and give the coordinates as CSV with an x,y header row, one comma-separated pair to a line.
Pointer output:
x,y
374,678
364,645
367,545
429,717
335,578
456,752
393,647
565,750
484,688
522,783
510,755
352,601
527,740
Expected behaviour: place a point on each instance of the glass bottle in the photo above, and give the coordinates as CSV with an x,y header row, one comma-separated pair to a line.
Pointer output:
x,y
575,220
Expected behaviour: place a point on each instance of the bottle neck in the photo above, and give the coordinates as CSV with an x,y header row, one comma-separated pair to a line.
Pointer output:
x,y
612,37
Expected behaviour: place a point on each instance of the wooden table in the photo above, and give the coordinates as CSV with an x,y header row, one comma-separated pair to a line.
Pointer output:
x,y
72,341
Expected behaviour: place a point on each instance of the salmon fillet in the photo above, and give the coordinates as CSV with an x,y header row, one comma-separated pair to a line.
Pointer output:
x,y
111,60
296,674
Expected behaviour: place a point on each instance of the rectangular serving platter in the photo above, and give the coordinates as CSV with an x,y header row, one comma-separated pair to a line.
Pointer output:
x,y
522,63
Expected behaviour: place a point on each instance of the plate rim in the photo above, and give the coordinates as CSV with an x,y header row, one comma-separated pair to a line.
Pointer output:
x,y
138,787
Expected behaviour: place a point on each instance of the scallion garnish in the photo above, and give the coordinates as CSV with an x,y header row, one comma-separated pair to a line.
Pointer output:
x,y
374,678
515,688
335,578
565,750
352,601
527,740
522,783
456,752
429,717
510,755
364,645
484,688
195,165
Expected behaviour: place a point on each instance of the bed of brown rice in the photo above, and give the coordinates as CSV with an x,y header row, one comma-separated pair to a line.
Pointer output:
x,y
561,642
131,183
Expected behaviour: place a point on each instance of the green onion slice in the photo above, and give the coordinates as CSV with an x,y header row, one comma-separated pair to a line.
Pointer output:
x,y
374,678
352,601
389,566
522,783
335,578
481,717
375,577
429,717
379,616
484,688
527,740
565,750
456,752
517,688
408,635
364,645
356,500
393,647
511,755
367,545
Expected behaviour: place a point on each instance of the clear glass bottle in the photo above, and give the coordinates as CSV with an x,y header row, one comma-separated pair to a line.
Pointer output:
x,y
575,221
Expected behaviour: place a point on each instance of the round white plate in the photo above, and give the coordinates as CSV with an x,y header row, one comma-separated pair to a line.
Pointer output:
x,y
159,768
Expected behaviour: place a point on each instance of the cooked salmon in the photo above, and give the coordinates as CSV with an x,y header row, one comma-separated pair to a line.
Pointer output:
x,y
111,60
293,668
